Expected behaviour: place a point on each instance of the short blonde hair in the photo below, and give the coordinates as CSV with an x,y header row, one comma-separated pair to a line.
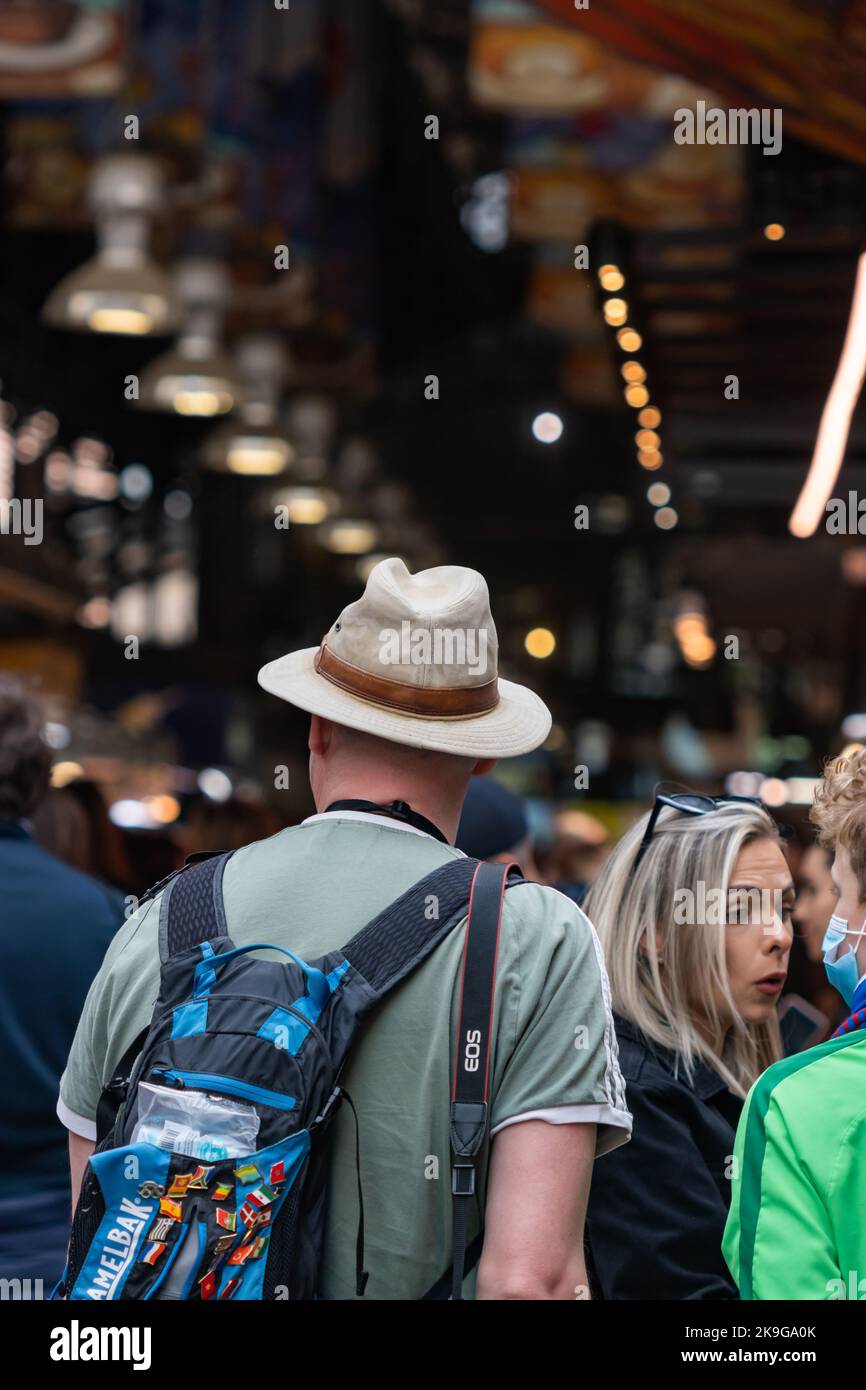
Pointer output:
x,y
839,811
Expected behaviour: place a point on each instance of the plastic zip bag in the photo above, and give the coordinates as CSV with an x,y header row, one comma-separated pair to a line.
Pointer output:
x,y
194,1123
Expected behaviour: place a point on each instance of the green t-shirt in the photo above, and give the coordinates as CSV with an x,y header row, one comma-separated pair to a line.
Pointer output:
x,y
795,1228
310,888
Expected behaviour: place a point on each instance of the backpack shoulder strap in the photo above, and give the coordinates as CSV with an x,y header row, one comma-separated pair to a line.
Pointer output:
x,y
390,946
191,909
156,888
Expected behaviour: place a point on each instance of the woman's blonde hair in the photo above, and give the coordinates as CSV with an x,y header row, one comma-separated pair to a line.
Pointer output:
x,y
664,974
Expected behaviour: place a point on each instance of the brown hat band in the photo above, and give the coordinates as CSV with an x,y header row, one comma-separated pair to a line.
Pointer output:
x,y
444,703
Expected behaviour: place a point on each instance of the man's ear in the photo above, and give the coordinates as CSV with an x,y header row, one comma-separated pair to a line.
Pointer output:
x,y
321,735
483,766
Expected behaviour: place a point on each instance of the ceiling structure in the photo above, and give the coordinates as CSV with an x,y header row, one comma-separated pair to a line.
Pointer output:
x,y
456,257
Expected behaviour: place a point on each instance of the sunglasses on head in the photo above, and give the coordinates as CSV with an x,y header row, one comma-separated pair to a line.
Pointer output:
x,y
688,804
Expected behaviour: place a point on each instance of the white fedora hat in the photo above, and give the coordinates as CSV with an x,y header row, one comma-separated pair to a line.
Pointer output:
x,y
414,660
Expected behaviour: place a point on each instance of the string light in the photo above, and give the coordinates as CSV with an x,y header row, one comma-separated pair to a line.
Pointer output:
x,y
611,278
647,439
615,312
649,456
629,339
659,494
651,459
636,395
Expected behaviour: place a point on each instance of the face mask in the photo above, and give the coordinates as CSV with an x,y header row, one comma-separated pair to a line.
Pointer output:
x,y
843,973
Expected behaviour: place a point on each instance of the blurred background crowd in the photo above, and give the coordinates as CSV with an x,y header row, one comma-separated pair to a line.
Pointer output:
x,y
285,290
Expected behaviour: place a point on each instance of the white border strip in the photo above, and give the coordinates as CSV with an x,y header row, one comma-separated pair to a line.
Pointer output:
x,y
76,1124
369,818
614,1125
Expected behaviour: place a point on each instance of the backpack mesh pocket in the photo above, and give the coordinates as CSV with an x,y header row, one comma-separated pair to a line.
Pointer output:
x,y
281,1270
89,1211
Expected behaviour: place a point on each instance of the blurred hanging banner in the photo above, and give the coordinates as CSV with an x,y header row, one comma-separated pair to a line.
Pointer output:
x,y
591,131
520,61
806,56
61,49
690,186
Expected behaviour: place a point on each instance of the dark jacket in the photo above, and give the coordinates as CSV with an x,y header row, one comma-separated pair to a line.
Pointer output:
x,y
55,926
658,1205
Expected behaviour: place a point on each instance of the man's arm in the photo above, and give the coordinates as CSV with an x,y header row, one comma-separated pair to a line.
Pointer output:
x,y
536,1206
79,1152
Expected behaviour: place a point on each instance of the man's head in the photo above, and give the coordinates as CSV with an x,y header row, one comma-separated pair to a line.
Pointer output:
x,y
840,815
405,693
25,759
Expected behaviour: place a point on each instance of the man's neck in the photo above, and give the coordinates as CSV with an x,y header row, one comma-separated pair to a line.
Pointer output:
x,y
429,802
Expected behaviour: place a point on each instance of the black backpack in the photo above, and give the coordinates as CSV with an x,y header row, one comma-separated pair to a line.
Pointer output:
x,y
241,1067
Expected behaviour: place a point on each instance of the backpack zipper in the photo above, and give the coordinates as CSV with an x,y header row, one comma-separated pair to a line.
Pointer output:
x,y
210,1081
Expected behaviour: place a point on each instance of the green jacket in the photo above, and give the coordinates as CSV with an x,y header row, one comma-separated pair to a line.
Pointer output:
x,y
797,1224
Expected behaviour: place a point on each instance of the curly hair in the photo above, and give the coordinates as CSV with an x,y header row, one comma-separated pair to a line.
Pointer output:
x,y
25,758
839,811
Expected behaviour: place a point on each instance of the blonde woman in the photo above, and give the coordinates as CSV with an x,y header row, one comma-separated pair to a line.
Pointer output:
x,y
694,912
